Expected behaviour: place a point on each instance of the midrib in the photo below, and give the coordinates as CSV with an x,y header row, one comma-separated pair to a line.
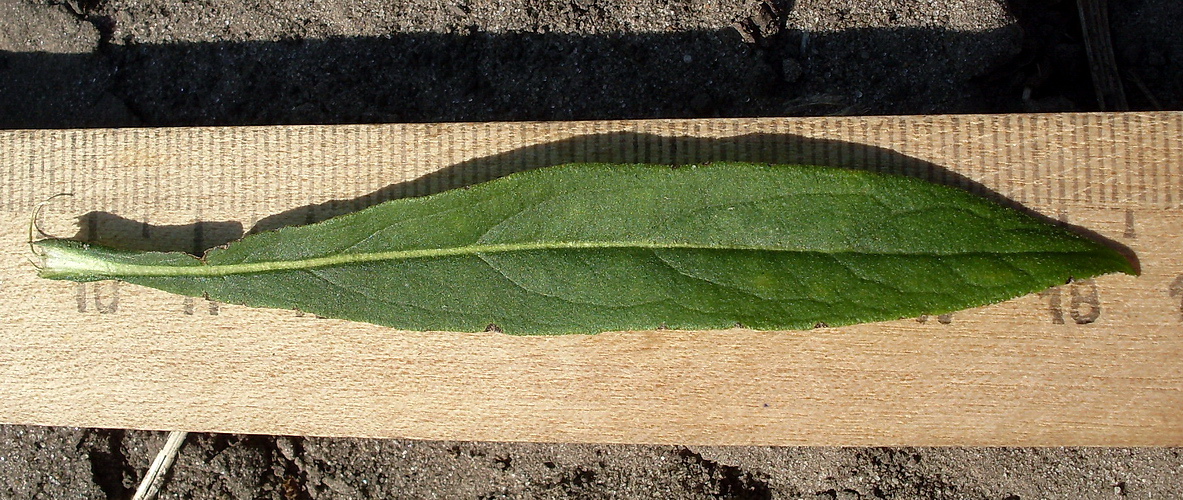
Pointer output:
x,y
71,260
77,261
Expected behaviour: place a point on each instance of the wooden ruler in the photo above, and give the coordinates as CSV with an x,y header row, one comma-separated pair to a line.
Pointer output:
x,y
1098,362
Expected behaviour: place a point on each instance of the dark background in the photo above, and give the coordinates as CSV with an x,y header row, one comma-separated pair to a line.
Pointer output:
x,y
115,63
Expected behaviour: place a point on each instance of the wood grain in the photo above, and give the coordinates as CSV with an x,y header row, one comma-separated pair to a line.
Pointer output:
x,y
1091,363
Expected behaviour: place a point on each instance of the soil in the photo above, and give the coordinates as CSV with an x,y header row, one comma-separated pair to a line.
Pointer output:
x,y
118,63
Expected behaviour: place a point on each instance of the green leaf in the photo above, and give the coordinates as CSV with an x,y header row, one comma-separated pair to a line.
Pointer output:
x,y
590,248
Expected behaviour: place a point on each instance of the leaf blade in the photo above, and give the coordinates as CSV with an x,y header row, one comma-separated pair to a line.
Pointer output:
x,y
587,248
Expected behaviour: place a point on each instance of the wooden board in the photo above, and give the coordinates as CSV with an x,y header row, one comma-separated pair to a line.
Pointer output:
x,y
1091,363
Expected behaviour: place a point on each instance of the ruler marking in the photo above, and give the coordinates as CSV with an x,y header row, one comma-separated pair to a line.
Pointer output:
x,y
259,159
775,143
586,132
1116,184
724,140
1081,189
1157,177
907,134
1022,151
1113,179
425,182
868,157
1037,158
877,158
1075,178
717,147
205,189
566,147
898,164
36,156
669,147
1094,152
657,144
210,148
837,129
1143,161
239,177
609,148
1083,137
849,157
9,159
627,146
1131,192
363,144
996,164
739,144
581,154
827,151
1016,151
1152,140
769,144
1035,154
20,153
1156,145
640,142
617,144
794,149
409,157
1166,168
692,148
39,174
714,147
1054,163
728,145
1017,154
411,184
1106,164
1043,170
859,150
817,136
459,169
1014,188
454,178
748,141
590,149
880,157
897,156
469,155
933,172
972,150
1172,151
968,150
1163,172
51,179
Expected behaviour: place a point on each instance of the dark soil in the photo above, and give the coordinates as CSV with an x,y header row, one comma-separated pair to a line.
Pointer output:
x,y
118,63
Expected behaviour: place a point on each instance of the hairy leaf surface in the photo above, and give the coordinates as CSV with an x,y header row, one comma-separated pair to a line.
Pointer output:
x,y
587,248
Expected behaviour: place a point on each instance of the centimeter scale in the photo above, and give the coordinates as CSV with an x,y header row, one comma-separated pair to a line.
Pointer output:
x,y
1097,362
